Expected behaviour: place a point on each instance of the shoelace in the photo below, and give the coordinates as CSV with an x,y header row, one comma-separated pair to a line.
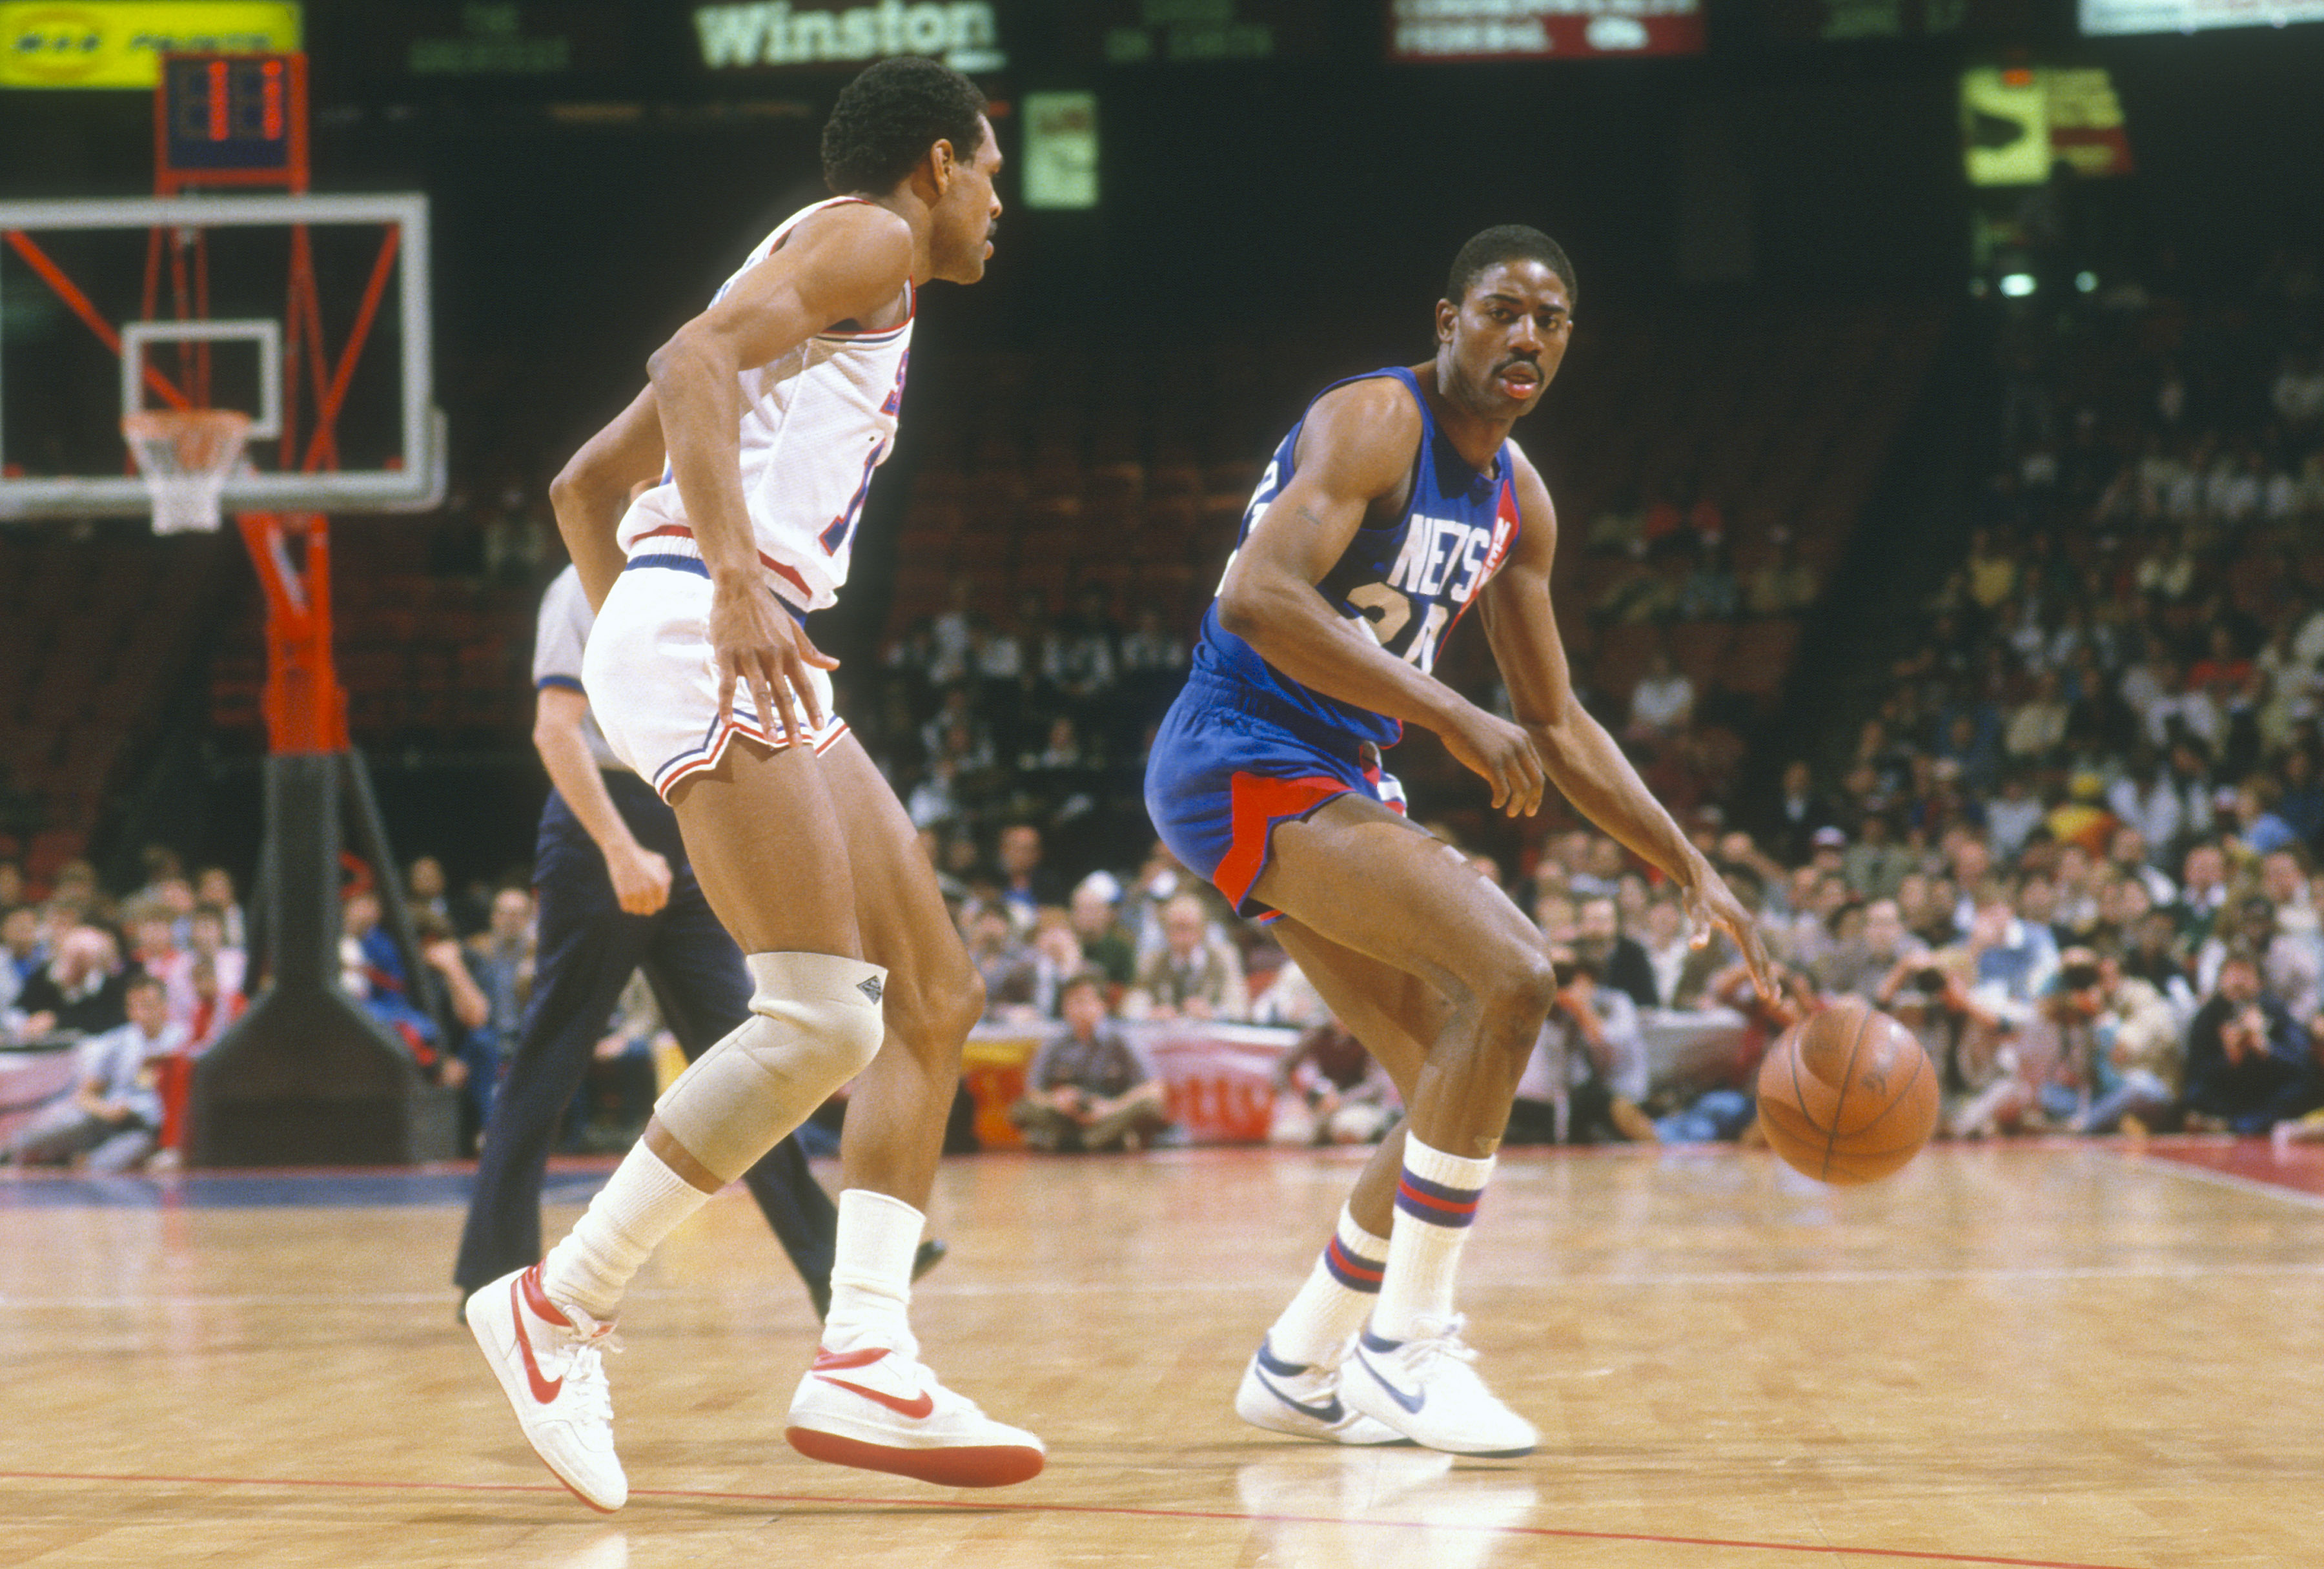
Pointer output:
x,y
1442,1337
584,1375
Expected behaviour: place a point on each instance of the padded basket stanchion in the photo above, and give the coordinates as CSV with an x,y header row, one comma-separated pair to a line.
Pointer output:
x,y
185,455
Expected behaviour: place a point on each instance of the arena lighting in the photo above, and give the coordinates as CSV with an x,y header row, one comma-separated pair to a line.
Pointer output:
x,y
2087,283
2017,285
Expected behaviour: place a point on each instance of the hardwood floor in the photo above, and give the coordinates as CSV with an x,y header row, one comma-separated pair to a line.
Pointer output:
x,y
2061,1355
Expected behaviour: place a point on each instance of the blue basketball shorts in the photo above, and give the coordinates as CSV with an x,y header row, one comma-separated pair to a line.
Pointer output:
x,y
1226,768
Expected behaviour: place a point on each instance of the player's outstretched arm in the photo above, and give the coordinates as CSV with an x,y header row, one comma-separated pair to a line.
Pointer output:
x,y
1357,446
848,262
1580,759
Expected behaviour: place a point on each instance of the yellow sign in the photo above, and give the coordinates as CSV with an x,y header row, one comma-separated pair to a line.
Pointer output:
x,y
119,43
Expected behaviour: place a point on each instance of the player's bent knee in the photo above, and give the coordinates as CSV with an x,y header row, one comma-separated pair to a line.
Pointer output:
x,y
1522,984
815,1024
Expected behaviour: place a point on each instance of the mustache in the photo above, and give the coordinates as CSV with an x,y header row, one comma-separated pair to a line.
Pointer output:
x,y
1520,359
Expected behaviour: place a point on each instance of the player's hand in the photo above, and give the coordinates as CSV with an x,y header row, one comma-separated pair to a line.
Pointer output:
x,y
757,641
1710,902
1501,754
640,879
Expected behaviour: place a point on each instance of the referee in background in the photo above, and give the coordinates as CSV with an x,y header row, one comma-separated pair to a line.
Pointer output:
x,y
615,895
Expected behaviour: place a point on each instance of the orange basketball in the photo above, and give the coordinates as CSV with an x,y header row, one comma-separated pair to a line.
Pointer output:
x,y
1849,1096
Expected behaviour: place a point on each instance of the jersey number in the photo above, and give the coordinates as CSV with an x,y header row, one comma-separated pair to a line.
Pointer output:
x,y
835,538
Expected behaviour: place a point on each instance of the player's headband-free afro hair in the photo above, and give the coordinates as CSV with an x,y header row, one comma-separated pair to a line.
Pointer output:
x,y
887,118
1508,243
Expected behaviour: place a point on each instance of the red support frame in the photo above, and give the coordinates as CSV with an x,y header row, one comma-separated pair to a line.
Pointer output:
x,y
306,708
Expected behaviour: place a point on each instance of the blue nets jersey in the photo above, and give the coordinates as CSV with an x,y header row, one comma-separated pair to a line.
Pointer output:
x,y
1406,582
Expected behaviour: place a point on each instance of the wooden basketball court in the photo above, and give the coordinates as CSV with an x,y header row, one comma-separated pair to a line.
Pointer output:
x,y
2056,1356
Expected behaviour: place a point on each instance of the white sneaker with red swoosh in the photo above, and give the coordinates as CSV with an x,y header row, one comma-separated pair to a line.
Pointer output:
x,y
878,1407
550,1363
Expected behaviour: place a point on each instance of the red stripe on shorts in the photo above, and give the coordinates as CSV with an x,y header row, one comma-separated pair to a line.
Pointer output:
x,y
1257,804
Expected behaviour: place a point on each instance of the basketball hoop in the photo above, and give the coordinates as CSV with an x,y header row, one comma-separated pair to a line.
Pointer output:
x,y
185,454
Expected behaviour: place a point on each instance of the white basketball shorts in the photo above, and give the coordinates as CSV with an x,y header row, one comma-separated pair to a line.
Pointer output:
x,y
653,685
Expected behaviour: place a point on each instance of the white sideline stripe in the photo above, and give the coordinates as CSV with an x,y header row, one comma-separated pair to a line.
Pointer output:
x,y
2227,1179
1016,1288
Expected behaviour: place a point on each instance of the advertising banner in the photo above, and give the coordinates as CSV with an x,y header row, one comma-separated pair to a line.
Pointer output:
x,y
1428,32
119,43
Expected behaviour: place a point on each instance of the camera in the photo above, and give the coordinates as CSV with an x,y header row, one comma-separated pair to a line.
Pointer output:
x,y
1929,978
2079,977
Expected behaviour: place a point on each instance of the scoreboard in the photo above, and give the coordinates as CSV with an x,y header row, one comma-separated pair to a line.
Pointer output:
x,y
230,119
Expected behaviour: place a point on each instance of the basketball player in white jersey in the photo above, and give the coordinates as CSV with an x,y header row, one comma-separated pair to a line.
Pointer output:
x,y
773,407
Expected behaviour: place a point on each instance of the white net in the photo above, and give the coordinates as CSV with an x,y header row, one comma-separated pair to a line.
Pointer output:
x,y
185,455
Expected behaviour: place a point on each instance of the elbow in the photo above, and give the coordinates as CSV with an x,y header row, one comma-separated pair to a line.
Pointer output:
x,y
1238,613
684,349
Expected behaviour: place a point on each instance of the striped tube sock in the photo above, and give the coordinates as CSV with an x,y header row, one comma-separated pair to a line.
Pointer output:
x,y
1435,1203
1336,1298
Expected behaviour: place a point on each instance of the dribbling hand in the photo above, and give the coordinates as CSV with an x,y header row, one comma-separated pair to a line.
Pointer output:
x,y
755,640
1708,903
1502,755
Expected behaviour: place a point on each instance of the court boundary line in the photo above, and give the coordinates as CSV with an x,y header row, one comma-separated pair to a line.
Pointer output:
x,y
1002,1505
1628,1282
2162,1161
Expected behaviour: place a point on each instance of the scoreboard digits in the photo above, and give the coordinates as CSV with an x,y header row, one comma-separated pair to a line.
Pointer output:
x,y
231,119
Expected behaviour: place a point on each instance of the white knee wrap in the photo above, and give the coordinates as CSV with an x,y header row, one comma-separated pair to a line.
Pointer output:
x,y
815,1024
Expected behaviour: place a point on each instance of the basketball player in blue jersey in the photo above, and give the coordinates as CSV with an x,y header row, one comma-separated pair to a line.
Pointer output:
x,y
773,407
1396,504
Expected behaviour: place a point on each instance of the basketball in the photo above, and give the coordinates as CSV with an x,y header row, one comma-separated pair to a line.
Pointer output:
x,y
1849,1096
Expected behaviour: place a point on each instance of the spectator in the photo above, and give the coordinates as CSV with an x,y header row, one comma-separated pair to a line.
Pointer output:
x,y
2123,1039
1000,955
1875,865
1589,1074
115,1111
1088,1089
80,991
1877,963
1026,885
2248,1062
216,1006
1667,944
1196,972
1663,702
1329,1090
1617,957
1104,942
214,890
501,958
23,950
1800,811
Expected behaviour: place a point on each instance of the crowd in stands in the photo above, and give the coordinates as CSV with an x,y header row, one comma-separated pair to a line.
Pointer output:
x,y
2069,836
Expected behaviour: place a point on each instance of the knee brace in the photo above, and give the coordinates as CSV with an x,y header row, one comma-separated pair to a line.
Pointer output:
x,y
815,1024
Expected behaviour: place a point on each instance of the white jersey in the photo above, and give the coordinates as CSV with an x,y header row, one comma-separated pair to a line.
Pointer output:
x,y
815,423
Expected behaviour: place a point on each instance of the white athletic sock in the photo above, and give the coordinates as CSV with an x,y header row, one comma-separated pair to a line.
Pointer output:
x,y
627,1220
1335,1299
1435,1203
872,1272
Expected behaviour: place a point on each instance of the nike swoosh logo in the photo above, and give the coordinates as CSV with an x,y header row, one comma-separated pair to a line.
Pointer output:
x,y
916,1409
1412,1403
1330,1413
543,1390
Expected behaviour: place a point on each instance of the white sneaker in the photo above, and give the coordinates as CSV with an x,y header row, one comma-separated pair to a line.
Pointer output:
x,y
878,1407
1426,1389
550,1363
1303,1400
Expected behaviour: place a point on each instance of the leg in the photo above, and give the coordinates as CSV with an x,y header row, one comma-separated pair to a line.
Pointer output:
x,y
698,978
587,949
1361,880
897,1112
